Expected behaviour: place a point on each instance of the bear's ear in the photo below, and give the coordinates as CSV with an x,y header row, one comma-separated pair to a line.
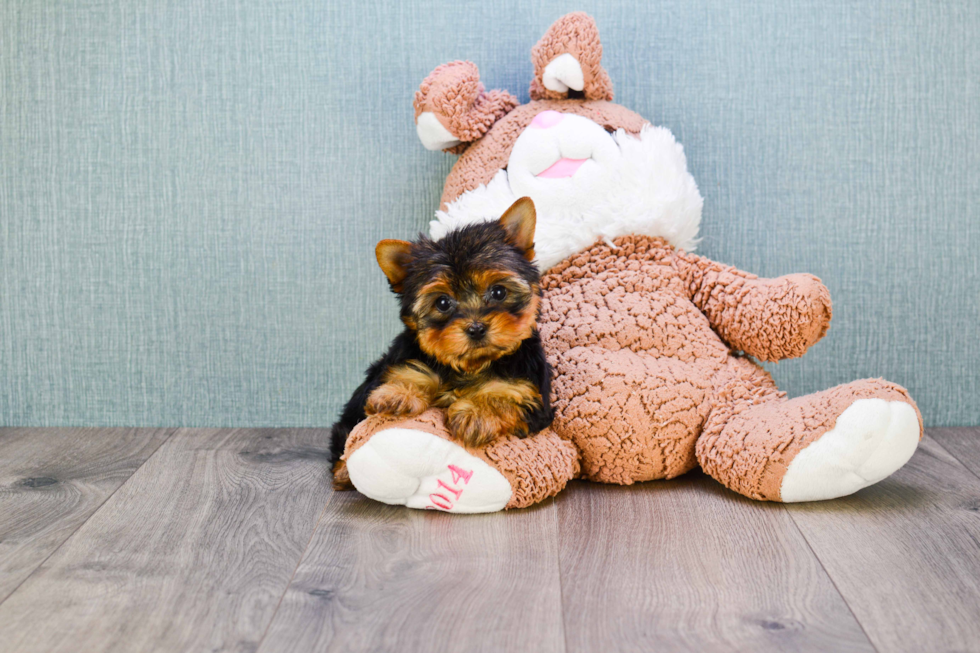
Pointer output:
x,y
394,257
452,108
519,222
568,62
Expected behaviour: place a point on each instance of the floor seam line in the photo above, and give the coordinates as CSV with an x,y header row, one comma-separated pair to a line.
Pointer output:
x,y
953,456
292,576
94,512
561,582
829,577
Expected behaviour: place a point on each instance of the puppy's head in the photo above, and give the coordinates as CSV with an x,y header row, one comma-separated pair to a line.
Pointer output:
x,y
472,296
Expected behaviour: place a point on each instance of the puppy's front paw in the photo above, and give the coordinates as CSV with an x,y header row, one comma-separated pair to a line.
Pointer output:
x,y
468,426
396,400
476,424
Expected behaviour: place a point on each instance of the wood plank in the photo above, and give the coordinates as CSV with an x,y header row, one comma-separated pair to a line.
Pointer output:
x,y
194,552
52,480
963,442
905,553
382,578
686,565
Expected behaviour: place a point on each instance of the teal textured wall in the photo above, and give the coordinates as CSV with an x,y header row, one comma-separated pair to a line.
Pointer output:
x,y
190,191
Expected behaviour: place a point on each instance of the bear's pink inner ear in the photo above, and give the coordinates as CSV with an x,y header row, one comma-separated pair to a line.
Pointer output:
x,y
519,222
394,257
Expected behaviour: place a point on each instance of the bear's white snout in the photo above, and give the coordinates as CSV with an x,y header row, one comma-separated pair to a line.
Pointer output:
x,y
559,159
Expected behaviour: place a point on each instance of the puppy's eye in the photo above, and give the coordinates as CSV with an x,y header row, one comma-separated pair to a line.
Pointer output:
x,y
498,293
444,304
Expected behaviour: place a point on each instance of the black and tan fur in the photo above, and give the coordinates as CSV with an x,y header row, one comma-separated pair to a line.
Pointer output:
x,y
476,278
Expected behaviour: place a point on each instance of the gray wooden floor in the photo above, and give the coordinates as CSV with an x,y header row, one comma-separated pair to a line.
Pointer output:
x,y
232,540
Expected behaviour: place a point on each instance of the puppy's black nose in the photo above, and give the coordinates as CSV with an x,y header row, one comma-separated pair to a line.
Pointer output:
x,y
476,330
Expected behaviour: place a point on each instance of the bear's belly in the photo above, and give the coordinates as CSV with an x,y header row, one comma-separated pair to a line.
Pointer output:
x,y
636,364
659,322
633,416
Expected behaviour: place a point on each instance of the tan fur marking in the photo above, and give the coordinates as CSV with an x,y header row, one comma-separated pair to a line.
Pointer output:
x,y
449,345
408,390
393,258
429,293
478,414
486,278
437,285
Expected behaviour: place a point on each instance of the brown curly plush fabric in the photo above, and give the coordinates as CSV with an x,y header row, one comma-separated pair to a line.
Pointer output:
x,y
752,450
638,366
574,34
646,385
537,467
454,94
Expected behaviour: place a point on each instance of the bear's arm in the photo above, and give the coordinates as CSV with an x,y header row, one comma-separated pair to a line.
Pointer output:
x,y
770,319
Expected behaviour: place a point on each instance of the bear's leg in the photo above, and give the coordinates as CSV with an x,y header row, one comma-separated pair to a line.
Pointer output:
x,y
820,446
634,417
415,463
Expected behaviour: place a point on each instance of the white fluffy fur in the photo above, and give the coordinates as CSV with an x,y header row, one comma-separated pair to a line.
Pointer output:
x,y
648,191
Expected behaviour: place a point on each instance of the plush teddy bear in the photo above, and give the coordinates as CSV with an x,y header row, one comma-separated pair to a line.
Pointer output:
x,y
652,347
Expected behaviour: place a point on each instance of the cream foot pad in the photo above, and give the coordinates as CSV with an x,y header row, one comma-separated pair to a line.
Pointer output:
x,y
417,469
869,441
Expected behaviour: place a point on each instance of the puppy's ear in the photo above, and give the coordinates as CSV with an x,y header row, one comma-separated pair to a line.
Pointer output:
x,y
394,257
519,221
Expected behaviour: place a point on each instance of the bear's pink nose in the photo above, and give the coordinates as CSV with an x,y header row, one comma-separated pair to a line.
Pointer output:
x,y
546,119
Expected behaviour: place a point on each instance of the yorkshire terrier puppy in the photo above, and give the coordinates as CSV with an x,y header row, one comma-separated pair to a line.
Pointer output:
x,y
469,302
